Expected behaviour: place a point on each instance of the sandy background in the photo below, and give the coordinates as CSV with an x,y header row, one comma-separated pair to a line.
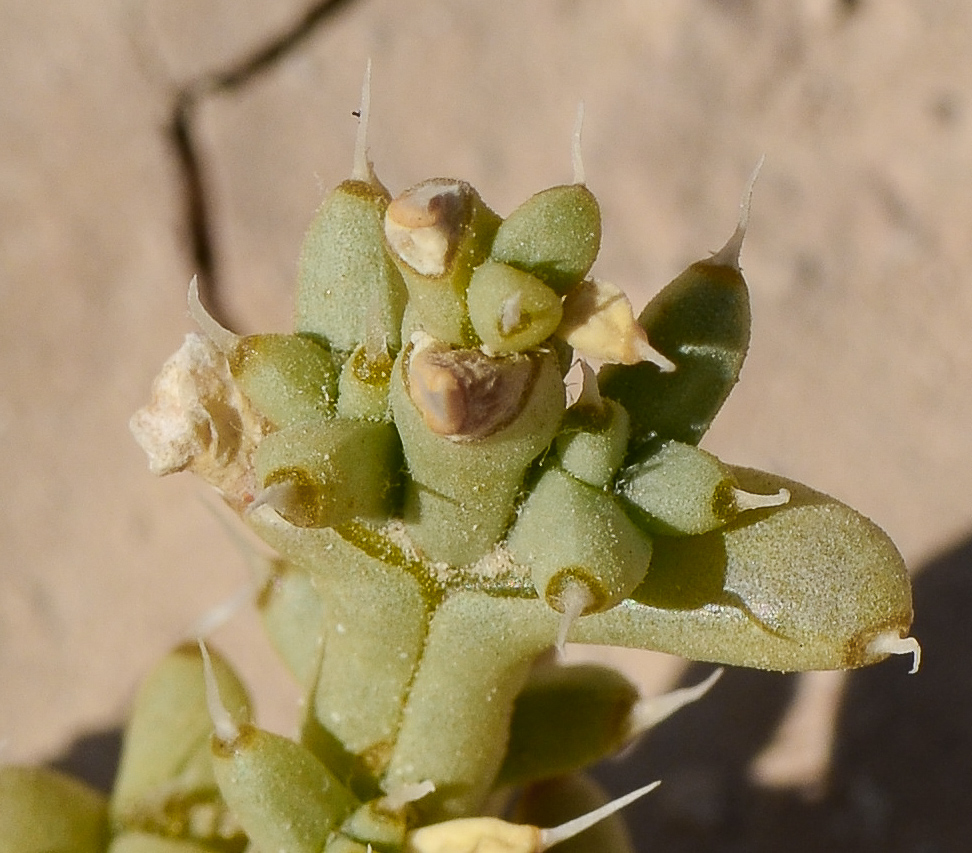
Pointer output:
x,y
142,141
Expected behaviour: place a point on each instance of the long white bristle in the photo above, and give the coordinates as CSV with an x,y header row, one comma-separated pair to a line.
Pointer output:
x,y
577,159
361,167
226,729
728,255
556,834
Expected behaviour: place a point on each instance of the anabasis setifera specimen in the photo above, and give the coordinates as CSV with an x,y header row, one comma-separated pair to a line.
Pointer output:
x,y
443,518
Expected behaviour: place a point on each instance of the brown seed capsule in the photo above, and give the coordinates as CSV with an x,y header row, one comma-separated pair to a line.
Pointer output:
x,y
424,224
464,473
437,232
465,394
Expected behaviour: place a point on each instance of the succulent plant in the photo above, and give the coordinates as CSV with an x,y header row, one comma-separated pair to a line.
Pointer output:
x,y
443,519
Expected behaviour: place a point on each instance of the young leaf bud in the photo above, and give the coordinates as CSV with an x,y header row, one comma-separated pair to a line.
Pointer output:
x,y
42,811
437,232
551,802
165,770
511,310
346,279
555,235
684,491
492,835
326,473
566,718
363,386
288,378
280,794
593,436
374,825
569,532
283,797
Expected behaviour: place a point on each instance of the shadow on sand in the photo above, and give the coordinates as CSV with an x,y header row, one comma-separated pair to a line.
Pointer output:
x,y
901,772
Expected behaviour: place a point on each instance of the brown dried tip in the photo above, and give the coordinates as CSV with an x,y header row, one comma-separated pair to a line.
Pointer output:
x,y
424,224
464,394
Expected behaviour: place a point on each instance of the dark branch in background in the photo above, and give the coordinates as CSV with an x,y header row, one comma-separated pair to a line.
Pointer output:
x,y
198,217
198,227
265,57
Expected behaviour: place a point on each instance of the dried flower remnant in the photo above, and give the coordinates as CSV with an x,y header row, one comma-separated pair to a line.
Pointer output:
x,y
598,322
199,420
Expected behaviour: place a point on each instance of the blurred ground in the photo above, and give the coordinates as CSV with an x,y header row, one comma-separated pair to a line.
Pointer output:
x,y
142,141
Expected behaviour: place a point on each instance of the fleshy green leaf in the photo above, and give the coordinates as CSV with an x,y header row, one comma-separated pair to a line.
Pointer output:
x,y
43,811
803,586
